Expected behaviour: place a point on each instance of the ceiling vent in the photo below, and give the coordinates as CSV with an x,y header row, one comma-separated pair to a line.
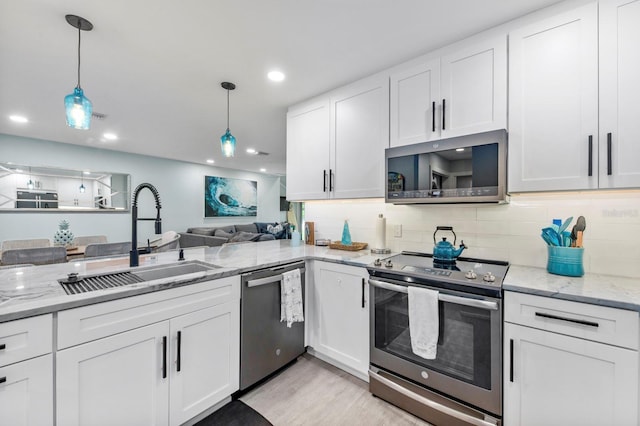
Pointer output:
x,y
98,115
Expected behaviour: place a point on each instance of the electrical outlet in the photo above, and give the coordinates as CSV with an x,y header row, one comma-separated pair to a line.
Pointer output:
x,y
397,231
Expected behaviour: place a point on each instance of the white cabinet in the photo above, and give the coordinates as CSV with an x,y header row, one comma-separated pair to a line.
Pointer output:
x,y
360,133
563,134
619,150
335,144
308,150
463,91
153,372
569,363
26,372
339,316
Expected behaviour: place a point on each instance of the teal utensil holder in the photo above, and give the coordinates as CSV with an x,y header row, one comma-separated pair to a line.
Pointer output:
x,y
565,261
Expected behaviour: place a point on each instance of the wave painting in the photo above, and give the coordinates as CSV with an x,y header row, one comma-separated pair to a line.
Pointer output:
x,y
230,197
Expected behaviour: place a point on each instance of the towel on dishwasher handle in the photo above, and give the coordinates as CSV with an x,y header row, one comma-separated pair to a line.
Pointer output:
x,y
423,321
291,297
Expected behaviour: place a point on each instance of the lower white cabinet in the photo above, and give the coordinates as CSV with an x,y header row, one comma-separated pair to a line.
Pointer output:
x,y
26,392
552,377
26,372
339,320
163,373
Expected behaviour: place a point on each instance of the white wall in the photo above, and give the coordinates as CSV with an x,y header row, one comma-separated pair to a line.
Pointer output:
x,y
508,232
180,184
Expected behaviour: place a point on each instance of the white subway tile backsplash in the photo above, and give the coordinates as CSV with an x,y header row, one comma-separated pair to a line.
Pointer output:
x,y
508,232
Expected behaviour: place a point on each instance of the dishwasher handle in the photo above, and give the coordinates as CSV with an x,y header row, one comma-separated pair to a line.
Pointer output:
x,y
269,279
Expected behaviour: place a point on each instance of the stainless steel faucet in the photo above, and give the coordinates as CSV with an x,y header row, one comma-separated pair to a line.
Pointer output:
x,y
134,256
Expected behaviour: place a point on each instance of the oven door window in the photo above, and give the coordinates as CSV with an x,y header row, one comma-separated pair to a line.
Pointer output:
x,y
464,340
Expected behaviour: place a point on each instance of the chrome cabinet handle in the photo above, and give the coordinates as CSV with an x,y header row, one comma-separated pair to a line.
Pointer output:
x,y
466,301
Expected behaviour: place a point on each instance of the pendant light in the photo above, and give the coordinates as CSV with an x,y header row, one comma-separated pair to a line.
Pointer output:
x,y
227,140
82,187
30,183
76,104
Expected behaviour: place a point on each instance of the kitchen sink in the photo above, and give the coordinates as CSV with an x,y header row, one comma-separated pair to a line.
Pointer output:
x,y
75,284
172,271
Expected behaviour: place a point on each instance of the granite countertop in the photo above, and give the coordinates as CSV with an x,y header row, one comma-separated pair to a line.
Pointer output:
x,y
598,289
29,291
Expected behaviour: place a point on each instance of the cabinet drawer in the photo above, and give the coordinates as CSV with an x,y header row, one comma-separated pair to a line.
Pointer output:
x,y
25,338
92,322
598,323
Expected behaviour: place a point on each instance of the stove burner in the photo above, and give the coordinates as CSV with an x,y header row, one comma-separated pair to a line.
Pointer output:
x,y
471,275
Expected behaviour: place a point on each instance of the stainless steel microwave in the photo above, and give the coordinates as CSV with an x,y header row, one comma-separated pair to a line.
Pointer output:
x,y
464,169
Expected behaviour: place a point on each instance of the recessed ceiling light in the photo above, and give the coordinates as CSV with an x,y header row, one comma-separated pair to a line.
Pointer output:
x,y
275,76
459,149
263,170
110,136
251,151
86,173
210,161
18,118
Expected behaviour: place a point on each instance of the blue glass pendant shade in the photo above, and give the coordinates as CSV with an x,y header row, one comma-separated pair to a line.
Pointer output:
x,y
79,109
228,142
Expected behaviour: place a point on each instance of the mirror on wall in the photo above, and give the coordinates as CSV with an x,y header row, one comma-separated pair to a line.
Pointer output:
x,y
28,188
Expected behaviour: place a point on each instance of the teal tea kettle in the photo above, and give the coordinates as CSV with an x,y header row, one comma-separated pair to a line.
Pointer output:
x,y
444,251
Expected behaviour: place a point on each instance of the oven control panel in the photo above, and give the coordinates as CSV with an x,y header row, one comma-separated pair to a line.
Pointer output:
x,y
428,271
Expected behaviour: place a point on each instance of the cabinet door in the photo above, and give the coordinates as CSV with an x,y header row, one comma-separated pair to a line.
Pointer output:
x,y
619,94
553,103
308,151
205,357
342,314
561,380
474,88
359,135
414,100
26,392
117,380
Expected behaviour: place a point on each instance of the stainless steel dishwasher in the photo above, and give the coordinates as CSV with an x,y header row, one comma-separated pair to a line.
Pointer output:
x,y
266,344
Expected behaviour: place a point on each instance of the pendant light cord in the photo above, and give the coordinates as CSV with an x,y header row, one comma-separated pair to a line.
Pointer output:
x,y
227,109
79,25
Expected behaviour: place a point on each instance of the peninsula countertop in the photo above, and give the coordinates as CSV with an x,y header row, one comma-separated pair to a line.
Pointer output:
x,y
29,291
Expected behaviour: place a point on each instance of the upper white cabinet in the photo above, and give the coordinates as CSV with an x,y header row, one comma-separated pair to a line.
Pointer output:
x,y
308,150
555,139
359,135
463,91
619,94
335,143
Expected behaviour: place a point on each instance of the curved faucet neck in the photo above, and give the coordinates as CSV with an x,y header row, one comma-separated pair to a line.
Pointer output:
x,y
134,257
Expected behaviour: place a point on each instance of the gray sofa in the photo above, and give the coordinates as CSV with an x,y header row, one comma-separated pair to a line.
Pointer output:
x,y
216,236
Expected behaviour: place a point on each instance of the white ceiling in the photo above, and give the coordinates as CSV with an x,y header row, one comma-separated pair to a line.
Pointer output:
x,y
154,67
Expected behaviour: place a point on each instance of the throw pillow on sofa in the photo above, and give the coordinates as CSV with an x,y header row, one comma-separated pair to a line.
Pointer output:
x,y
222,233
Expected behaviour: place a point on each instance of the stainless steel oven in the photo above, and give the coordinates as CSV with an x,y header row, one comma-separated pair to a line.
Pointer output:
x,y
463,384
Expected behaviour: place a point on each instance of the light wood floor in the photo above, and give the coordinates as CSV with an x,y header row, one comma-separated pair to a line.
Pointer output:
x,y
312,392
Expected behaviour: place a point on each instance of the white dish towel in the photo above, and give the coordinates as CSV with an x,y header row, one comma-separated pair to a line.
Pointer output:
x,y
291,298
423,321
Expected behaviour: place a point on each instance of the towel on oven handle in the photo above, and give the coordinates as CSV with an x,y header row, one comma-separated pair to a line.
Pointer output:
x,y
291,297
423,321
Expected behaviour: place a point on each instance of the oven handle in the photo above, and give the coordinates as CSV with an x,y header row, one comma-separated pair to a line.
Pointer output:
x,y
432,404
466,301
268,280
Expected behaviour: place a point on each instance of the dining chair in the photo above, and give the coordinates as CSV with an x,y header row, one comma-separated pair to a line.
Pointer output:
x,y
34,256
90,239
24,244
107,249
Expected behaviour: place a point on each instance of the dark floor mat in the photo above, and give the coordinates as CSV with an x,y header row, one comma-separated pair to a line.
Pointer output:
x,y
235,413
